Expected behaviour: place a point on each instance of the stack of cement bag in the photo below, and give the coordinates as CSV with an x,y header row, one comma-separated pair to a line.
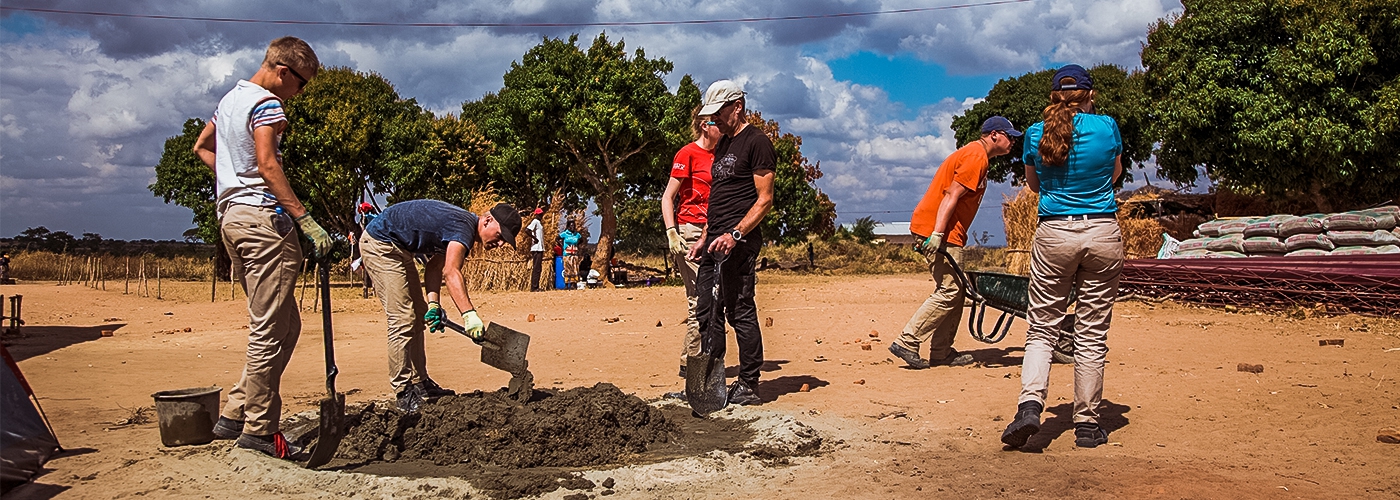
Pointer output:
x,y
1361,232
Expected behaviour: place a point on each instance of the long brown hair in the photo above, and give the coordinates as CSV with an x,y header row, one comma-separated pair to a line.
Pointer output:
x,y
696,130
1059,123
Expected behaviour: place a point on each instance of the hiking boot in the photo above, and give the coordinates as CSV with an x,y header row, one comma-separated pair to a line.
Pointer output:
x,y
682,371
431,391
910,358
410,400
954,358
1025,425
1089,435
227,428
743,395
274,446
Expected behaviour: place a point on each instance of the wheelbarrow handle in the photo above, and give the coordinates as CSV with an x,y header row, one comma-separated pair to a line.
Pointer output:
x,y
979,307
962,279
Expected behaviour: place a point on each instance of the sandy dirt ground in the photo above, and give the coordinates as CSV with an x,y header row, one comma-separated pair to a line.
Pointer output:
x,y
1183,421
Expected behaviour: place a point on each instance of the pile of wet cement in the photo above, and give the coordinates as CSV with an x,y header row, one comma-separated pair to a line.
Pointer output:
x,y
580,427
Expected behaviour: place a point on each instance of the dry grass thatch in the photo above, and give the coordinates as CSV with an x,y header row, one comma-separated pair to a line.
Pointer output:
x,y
1020,215
1141,237
506,268
839,256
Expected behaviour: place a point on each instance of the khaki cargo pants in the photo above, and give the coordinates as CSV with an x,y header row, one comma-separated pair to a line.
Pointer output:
x,y
937,319
395,279
270,259
689,270
1087,256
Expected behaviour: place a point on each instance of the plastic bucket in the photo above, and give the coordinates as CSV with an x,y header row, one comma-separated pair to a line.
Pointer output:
x,y
187,416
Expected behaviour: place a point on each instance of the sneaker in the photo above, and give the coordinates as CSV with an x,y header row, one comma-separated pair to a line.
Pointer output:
x,y
1025,425
1089,435
431,391
910,357
682,371
954,358
741,394
274,446
674,395
410,400
227,428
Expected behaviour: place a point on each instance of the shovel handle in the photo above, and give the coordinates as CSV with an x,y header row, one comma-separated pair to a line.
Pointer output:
x,y
458,328
324,276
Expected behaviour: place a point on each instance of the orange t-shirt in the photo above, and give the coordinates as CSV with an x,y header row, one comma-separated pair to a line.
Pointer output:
x,y
967,166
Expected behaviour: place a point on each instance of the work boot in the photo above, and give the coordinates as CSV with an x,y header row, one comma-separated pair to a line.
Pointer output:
x,y
954,358
910,358
674,395
410,400
274,446
1089,435
1025,425
743,395
227,428
431,391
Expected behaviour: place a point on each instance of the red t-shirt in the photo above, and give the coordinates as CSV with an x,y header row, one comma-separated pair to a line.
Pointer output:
x,y
966,166
692,167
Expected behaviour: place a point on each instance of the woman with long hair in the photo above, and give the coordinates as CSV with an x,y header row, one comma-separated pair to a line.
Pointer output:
x,y
1073,159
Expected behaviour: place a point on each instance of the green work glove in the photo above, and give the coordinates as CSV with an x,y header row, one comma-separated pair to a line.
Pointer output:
x,y
321,242
677,243
433,317
473,324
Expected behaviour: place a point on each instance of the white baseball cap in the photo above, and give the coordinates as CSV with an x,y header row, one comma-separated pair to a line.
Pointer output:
x,y
720,93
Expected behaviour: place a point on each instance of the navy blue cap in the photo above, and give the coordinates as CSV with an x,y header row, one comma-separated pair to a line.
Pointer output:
x,y
1075,71
1000,124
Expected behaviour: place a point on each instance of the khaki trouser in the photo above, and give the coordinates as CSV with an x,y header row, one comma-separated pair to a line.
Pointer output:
x,y
937,319
689,269
1069,254
395,278
270,257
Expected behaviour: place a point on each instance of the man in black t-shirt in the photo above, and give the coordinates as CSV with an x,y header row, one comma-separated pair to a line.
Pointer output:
x,y
741,193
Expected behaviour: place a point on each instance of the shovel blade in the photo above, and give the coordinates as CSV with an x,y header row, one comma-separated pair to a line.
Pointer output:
x,y
704,384
504,348
331,430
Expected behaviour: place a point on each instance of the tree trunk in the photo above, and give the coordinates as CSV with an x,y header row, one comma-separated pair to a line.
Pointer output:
x,y
1319,199
606,206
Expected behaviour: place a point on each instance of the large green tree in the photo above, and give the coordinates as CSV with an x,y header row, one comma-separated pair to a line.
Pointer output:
x,y
594,119
1023,99
183,179
799,208
1286,98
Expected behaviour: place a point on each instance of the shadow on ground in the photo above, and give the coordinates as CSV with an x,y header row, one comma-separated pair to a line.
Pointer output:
x,y
41,340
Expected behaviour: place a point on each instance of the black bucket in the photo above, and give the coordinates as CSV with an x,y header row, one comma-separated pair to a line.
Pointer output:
x,y
187,416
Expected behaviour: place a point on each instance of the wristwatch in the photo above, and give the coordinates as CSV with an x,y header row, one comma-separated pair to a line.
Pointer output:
x,y
734,233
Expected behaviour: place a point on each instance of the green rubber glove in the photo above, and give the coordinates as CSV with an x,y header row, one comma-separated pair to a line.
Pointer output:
x,y
433,318
321,242
676,242
473,324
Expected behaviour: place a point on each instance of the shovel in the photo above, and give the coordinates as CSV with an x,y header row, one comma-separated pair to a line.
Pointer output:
x,y
332,424
704,374
505,349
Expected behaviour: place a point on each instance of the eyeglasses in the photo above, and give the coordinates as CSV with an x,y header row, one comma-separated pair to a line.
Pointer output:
x,y
710,123
294,73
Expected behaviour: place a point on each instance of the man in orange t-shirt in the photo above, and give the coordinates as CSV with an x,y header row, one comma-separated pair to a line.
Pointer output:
x,y
940,221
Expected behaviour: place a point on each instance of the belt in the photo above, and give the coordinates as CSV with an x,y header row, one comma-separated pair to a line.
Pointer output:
x,y
1105,215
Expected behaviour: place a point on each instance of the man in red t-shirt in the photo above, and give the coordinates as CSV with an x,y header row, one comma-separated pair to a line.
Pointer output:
x,y
685,223
940,221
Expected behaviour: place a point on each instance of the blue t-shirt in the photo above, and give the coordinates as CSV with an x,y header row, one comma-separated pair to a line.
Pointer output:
x,y
424,227
1085,184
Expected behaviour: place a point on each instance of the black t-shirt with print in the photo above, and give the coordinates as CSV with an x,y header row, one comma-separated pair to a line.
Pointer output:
x,y
732,191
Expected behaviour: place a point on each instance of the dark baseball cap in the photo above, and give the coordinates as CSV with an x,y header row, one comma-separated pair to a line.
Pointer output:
x,y
1082,81
509,220
1000,124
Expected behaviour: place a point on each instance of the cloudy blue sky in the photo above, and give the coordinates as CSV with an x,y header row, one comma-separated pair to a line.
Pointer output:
x,y
86,102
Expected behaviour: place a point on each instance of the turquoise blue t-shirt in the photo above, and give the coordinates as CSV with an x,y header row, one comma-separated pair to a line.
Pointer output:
x,y
1085,184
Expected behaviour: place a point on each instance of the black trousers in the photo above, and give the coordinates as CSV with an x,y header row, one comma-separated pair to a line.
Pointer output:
x,y
731,300
538,258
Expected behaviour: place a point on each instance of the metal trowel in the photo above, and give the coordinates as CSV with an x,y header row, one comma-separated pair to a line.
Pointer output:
x,y
505,349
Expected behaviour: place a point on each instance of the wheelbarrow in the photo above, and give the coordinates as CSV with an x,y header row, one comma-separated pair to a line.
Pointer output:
x,y
1010,295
